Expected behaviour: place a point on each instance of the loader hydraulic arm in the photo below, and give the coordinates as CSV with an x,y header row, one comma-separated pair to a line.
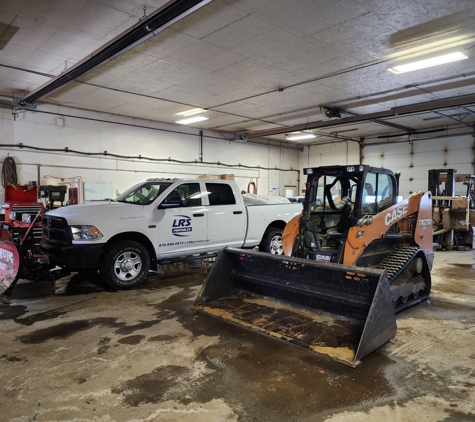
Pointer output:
x,y
370,228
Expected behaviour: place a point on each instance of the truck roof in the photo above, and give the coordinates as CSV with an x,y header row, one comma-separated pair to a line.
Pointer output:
x,y
161,179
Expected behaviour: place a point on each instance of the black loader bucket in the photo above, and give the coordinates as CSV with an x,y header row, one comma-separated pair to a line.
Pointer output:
x,y
340,312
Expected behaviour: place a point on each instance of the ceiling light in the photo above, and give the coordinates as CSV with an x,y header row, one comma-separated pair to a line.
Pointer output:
x,y
193,119
191,112
300,136
433,61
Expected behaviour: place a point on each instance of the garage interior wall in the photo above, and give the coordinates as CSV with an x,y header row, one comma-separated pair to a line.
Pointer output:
x,y
412,160
330,154
92,132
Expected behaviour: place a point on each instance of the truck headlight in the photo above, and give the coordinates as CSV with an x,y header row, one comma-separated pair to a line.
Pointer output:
x,y
85,233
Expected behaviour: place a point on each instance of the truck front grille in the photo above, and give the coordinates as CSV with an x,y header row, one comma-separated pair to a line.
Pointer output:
x,y
56,230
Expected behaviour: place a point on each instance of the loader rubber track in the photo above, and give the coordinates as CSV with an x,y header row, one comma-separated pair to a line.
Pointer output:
x,y
395,264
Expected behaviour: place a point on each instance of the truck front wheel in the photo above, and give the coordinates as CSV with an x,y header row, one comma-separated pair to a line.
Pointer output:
x,y
272,241
125,264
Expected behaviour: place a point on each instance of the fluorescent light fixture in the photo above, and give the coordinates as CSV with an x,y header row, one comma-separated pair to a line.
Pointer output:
x,y
193,119
191,112
433,61
300,136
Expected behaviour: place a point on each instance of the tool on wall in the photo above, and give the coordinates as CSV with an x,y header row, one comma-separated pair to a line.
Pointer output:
x,y
9,172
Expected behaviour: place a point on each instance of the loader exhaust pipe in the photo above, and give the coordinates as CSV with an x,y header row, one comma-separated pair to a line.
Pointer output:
x,y
340,312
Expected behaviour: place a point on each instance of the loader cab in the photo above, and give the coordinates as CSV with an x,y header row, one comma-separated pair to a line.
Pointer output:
x,y
336,198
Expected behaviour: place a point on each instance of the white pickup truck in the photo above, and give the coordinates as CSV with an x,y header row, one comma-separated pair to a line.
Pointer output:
x,y
159,221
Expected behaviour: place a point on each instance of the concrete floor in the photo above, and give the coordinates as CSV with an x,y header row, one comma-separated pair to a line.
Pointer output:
x,y
76,352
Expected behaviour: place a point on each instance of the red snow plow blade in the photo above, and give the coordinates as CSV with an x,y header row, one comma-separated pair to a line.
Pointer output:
x,y
9,264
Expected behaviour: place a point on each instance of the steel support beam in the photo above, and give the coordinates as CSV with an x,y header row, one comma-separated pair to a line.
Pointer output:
x,y
397,111
382,122
453,118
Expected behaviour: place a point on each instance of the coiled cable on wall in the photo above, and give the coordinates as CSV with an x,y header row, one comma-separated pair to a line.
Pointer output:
x,y
9,173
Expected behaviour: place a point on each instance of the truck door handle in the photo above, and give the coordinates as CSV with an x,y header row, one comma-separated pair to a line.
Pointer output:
x,y
237,212
198,215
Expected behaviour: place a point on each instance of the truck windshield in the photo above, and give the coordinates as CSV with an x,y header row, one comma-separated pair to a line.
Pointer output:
x,y
143,193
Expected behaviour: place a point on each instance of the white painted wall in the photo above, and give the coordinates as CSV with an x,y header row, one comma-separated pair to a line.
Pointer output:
x,y
413,162
341,153
159,141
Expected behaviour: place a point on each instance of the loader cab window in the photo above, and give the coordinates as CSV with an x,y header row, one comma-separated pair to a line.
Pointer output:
x,y
332,194
330,208
378,193
321,201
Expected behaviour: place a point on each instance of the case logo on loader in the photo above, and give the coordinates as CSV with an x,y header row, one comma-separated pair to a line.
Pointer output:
x,y
181,225
395,214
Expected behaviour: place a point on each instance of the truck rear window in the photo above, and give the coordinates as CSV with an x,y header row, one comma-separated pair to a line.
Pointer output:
x,y
220,194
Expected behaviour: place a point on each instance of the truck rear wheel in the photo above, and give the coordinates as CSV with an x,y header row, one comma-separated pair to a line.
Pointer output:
x,y
272,241
126,264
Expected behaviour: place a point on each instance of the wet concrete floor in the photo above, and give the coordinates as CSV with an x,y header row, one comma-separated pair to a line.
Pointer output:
x,y
76,351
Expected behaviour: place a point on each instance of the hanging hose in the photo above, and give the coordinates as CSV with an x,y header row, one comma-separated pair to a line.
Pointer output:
x,y
254,188
9,174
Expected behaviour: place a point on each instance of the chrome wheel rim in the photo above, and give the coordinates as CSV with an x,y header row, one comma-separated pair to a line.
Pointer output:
x,y
276,245
127,266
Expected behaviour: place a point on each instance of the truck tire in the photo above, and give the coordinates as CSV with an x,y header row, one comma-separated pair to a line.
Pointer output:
x,y
272,241
125,264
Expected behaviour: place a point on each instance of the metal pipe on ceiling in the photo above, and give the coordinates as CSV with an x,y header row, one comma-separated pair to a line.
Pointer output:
x,y
161,19
417,132
428,138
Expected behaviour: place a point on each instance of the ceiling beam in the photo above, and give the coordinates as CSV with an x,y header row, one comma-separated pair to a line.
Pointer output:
x,y
453,118
396,111
381,122
162,18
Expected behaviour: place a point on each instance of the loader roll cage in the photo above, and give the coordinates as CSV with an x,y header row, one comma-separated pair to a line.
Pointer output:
x,y
337,197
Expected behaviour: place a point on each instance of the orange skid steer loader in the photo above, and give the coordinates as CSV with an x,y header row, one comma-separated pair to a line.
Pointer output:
x,y
354,258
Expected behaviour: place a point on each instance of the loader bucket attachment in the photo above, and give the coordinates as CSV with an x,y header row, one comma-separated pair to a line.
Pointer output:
x,y
9,264
340,312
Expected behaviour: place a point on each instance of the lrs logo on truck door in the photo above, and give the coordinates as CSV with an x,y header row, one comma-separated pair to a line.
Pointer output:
x,y
182,224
